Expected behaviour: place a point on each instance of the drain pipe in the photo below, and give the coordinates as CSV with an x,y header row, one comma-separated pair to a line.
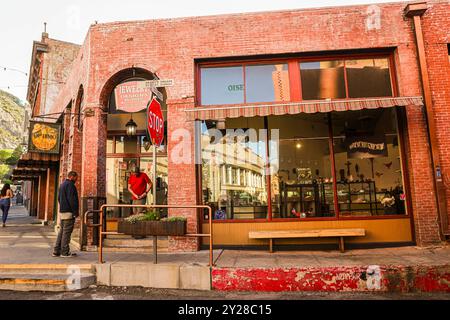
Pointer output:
x,y
415,11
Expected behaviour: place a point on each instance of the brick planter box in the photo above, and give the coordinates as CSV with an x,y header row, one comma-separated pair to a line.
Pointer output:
x,y
153,228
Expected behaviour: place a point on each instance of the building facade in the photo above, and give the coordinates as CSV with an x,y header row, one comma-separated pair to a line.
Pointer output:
x,y
343,111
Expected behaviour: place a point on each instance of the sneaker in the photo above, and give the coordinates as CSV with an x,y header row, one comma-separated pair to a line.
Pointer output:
x,y
56,255
69,255
4,225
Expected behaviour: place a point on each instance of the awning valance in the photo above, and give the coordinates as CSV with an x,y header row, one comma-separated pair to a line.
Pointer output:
x,y
311,106
31,165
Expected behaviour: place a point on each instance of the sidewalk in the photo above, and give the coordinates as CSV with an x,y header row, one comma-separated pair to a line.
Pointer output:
x,y
428,269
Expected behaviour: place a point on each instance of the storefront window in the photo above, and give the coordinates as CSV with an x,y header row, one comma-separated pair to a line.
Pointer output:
x,y
322,80
368,163
302,187
368,78
233,175
222,85
267,83
110,145
126,144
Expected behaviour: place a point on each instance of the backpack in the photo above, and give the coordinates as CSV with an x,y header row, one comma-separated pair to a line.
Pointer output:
x,y
220,215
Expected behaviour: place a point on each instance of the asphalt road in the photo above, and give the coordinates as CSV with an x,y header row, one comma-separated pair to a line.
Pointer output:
x,y
121,293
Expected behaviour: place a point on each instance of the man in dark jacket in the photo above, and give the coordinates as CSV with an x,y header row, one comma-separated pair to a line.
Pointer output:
x,y
68,212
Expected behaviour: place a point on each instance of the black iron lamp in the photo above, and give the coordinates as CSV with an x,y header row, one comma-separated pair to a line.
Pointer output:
x,y
131,127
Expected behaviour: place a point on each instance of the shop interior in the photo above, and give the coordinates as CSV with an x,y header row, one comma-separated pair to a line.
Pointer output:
x,y
368,183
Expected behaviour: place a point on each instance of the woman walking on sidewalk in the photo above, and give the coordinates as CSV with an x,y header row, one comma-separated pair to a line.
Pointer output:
x,y
5,202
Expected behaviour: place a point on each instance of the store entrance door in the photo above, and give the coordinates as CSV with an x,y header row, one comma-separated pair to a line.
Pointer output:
x,y
118,173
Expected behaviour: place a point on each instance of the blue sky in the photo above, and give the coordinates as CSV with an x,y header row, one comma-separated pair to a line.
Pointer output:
x,y
22,21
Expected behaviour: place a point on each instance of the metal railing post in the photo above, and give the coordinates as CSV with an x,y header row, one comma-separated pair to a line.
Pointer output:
x,y
104,233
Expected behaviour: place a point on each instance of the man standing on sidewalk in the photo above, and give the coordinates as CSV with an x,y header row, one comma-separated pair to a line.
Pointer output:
x,y
68,212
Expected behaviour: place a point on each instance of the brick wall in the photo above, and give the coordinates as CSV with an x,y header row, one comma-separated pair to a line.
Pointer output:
x,y
436,26
169,48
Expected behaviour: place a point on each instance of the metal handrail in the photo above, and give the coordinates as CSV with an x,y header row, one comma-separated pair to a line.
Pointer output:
x,y
102,233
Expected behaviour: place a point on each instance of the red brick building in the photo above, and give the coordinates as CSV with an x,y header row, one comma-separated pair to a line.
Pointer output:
x,y
321,77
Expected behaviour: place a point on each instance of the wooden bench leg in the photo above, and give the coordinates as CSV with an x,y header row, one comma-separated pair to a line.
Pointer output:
x,y
341,244
271,245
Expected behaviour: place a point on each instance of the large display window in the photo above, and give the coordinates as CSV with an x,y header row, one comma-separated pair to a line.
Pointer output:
x,y
305,166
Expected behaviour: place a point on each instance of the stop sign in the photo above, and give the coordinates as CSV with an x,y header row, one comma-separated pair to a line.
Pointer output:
x,y
155,122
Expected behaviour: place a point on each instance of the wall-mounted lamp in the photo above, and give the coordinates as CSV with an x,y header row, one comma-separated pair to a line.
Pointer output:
x,y
89,112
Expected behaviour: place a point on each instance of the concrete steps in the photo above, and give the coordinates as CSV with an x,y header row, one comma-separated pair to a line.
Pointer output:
x,y
121,243
56,278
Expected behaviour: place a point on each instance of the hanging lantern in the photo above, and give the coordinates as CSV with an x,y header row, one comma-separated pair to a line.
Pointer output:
x,y
131,127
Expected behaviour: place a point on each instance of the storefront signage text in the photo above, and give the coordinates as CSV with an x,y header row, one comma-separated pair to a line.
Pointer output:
x,y
364,147
132,96
236,87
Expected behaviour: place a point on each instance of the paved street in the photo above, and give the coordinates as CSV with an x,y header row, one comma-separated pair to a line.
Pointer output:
x,y
106,293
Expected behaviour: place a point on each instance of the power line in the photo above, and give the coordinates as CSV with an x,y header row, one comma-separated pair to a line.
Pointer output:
x,y
13,69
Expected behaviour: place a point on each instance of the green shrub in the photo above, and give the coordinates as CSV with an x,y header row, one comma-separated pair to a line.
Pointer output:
x,y
173,219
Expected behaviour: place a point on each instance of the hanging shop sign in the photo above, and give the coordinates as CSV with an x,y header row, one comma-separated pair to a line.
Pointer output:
x,y
155,122
366,147
132,96
44,137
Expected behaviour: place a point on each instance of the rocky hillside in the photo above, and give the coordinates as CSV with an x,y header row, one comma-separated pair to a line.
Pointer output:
x,y
12,114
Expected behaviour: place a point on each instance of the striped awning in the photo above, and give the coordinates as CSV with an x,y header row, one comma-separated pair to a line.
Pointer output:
x,y
311,106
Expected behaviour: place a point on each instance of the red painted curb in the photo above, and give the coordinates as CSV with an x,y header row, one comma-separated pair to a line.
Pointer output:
x,y
334,279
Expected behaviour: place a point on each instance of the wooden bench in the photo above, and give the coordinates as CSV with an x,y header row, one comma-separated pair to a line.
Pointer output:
x,y
318,233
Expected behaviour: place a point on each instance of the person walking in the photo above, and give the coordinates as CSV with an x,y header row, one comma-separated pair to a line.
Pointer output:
x,y
68,212
139,186
5,202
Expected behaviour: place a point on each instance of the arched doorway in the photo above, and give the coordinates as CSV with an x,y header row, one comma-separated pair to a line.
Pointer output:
x,y
123,151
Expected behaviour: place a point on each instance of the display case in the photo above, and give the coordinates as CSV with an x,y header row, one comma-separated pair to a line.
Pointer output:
x,y
306,200
316,199
358,198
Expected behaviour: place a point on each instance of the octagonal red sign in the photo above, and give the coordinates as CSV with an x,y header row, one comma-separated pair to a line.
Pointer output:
x,y
155,122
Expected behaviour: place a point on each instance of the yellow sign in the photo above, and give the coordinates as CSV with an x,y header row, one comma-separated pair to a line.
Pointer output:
x,y
44,137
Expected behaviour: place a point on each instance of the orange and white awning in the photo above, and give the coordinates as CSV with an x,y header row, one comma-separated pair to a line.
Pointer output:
x,y
223,112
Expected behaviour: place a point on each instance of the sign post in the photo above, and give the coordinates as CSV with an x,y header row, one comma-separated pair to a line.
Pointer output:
x,y
155,130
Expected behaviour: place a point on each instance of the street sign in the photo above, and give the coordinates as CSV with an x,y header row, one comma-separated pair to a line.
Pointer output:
x,y
157,93
159,83
155,123
153,85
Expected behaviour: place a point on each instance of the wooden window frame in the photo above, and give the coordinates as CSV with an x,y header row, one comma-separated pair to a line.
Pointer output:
x,y
296,96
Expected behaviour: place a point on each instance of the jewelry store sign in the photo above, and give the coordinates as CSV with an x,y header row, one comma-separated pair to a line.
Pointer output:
x,y
133,96
44,137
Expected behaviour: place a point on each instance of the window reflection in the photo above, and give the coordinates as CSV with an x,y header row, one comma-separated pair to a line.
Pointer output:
x,y
222,85
233,180
267,83
322,80
368,78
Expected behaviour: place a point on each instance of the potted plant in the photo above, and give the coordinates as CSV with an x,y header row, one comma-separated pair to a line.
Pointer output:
x,y
150,224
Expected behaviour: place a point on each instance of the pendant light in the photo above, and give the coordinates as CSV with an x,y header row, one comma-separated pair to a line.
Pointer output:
x,y
131,127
